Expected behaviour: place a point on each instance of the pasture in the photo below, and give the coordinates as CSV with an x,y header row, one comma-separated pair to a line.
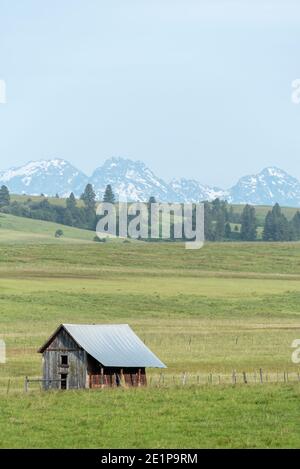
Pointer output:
x,y
225,307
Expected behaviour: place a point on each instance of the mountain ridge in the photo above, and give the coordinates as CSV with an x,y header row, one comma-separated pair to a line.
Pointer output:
x,y
134,181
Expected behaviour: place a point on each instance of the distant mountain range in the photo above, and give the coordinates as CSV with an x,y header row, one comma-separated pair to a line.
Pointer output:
x,y
134,181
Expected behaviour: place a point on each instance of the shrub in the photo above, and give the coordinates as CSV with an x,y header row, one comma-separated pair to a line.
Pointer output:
x,y
99,240
59,233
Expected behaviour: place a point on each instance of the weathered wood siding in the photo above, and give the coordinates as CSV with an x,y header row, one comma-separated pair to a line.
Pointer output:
x,y
100,376
130,377
82,369
76,370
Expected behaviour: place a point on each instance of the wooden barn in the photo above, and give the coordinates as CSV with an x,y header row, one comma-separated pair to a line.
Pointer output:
x,y
95,356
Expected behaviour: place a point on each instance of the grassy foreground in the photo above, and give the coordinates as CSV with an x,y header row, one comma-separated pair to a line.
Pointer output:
x,y
191,417
225,307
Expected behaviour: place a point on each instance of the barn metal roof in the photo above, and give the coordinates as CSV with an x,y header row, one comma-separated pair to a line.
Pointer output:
x,y
114,345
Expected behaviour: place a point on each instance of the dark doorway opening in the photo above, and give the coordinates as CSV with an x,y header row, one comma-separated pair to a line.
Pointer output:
x,y
63,381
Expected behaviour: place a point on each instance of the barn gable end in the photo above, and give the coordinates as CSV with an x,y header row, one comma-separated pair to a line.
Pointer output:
x,y
64,362
79,356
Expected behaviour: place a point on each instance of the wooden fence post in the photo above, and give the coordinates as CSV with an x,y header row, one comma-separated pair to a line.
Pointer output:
x,y
26,384
233,377
102,377
261,376
245,377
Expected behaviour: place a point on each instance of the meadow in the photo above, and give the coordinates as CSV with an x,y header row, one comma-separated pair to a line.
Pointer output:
x,y
228,306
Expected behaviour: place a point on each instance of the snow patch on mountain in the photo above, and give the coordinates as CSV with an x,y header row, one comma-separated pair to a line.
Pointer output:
x,y
130,180
190,190
134,181
45,176
266,188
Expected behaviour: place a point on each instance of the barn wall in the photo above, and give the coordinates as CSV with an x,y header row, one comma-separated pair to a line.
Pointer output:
x,y
63,344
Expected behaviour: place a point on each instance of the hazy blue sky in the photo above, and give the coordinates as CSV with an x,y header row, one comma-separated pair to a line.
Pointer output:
x,y
193,88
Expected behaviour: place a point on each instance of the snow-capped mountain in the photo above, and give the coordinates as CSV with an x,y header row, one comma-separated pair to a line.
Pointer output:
x,y
189,190
46,176
266,188
134,181
130,180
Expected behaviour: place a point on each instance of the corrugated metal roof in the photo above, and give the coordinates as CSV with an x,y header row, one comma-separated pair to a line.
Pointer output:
x,y
114,345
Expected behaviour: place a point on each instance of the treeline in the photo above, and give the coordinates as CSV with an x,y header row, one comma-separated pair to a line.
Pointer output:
x,y
71,214
222,222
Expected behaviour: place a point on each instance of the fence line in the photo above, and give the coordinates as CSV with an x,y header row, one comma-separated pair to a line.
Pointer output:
x,y
258,377
38,380
216,378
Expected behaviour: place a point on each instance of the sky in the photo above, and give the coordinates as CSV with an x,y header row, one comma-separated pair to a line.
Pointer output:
x,y
194,88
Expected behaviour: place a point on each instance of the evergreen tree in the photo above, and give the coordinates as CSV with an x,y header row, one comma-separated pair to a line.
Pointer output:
x,y
216,207
277,227
151,201
89,197
280,225
4,197
219,214
220,226
208,222
295,226
268,227
249,226
68,218
109,196
228,231
283,230
71,203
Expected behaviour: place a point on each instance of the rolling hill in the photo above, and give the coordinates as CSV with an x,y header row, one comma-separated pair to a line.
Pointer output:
x,y
26,230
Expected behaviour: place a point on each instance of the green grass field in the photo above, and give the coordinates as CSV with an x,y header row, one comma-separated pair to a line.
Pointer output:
x,y
38,198
26,230
204,313
176,417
